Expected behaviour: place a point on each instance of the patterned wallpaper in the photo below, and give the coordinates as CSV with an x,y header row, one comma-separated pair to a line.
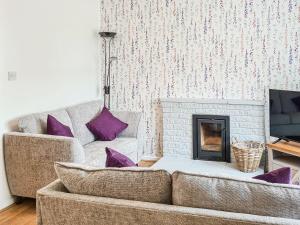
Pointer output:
x,y
228,49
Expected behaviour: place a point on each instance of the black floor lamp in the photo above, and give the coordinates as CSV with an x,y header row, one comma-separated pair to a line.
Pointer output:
x,y
107,37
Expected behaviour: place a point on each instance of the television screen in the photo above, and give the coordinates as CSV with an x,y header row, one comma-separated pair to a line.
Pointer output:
x,y
285,114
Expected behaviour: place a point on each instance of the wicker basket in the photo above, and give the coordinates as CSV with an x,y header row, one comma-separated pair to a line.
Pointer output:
x,y
248,155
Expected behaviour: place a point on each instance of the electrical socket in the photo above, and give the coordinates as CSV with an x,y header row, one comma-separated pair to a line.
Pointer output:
x,y
12,76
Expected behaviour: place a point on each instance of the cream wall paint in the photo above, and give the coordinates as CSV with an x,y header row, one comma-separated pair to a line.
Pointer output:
x,y
220,49
54,48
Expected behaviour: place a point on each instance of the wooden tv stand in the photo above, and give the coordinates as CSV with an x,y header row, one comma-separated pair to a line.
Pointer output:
x,y
284,154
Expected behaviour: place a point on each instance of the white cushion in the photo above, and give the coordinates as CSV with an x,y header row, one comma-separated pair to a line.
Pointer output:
x,y
37,123
82,114
132,119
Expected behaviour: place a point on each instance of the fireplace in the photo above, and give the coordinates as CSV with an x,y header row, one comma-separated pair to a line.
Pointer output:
x,y
211,137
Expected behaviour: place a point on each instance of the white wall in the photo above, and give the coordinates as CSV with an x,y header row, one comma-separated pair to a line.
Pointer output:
x,y
54,48
5,198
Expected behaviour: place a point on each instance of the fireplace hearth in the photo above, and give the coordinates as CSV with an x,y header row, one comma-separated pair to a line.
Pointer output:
x,y
211,137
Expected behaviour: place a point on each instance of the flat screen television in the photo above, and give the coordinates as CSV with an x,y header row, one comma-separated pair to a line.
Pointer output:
x,y
285,115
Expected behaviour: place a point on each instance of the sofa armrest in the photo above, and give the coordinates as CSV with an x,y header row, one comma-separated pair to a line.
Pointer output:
x,y
29,159
44,147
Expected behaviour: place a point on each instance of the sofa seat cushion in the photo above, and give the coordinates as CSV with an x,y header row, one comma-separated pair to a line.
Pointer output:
x,y
236,195
37,123
80,115
95,152
122,183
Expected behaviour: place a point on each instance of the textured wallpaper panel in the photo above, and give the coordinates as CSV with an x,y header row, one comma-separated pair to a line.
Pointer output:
x,y
228,49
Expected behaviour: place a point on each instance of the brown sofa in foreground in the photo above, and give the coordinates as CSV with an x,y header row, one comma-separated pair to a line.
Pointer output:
x,y
137,196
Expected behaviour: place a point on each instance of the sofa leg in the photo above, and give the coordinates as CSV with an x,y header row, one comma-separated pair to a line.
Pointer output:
x,y
18,199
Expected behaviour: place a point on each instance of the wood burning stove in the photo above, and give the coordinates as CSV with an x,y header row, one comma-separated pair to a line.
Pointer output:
x,y
211,137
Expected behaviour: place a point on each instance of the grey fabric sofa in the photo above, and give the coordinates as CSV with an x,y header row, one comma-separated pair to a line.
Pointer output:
x,y
88,196
30,154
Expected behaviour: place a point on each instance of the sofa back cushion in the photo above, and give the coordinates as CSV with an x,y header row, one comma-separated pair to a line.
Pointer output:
x,y
37,123
82,114
233,195
132,119
127,183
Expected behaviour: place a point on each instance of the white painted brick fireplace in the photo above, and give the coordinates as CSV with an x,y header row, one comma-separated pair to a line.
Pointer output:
x,y
247,121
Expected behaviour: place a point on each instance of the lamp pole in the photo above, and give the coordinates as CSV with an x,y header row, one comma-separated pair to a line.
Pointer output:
x,y
107,36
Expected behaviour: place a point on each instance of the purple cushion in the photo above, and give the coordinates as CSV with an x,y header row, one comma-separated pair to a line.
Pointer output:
x,y
105,126
54,127
116,159
280,176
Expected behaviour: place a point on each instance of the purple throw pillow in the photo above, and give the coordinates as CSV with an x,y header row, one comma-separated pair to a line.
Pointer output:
x,y
105,126
116,159
54,127
280,176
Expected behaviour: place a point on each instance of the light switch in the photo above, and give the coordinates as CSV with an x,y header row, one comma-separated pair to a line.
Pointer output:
x,y
12,76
